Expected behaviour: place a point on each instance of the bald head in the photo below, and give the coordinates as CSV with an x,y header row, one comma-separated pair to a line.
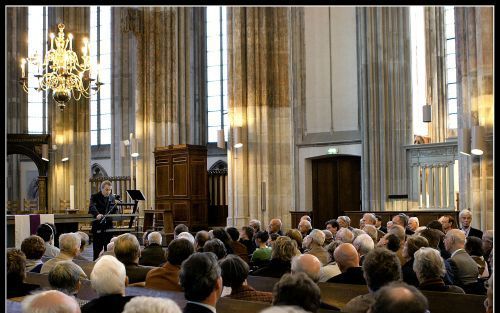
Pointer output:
x,y
308,264
50,301
346,256
274,225
454,240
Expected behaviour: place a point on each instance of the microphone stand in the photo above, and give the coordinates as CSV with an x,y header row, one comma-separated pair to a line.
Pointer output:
x,y
110,210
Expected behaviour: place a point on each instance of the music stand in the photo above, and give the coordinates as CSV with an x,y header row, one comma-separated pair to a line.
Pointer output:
x,y
135,195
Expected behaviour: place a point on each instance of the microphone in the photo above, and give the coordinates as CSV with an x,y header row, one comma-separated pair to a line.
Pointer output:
x,y
117,197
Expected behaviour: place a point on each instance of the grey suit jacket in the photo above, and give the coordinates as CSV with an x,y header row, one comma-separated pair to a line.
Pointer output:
x,y
462,268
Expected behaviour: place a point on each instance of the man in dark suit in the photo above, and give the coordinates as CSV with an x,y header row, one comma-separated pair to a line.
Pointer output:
x,y
102,203
153,254
402,220
465,217
202,282
347,259
128,251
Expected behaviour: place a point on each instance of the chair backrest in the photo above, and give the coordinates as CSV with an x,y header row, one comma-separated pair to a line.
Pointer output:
x,y
262,283
87,266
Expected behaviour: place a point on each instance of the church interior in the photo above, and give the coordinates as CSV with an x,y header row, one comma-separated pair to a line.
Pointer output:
x,y
216,117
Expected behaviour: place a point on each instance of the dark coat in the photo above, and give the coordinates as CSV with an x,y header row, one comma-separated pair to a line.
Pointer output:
x,y
438,285
137,273
474,232
353,275
195,308
409,275
240,250
16,288
275,268
101,205
106,304
153,255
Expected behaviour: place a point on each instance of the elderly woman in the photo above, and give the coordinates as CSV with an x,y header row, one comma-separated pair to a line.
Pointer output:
x,y
429,268
412,244
281,256
295,234
234,274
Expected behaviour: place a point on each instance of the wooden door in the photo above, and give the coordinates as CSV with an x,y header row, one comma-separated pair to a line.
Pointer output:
x,y
336,187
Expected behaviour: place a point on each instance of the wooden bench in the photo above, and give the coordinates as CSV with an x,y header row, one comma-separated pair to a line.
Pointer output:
x,y
262,283
86,291
87,266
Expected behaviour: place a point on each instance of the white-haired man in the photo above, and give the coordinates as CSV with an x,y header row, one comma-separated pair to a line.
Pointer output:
x,y
188,236
50,301
461,267
108,279
304,227
144,304
413,223
313,244
344,221
69,245
345,235
153,254
363,244
308,264
465,217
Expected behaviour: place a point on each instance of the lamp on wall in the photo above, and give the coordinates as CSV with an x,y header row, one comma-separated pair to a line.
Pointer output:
x,y
134,150
45,152
65,156
477,146
427,113
464,141
237,137
221,142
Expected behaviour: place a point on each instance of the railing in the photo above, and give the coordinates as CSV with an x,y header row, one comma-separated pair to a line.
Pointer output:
x,y
431,175
217,192
120,185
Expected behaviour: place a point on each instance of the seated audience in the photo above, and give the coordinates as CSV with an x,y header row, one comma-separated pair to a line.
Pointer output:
x,y
331,269
304,227
465,217
412,244
69,244
461,268
399,231
180,228
379,226
110,248
344,222
347,258
356,232
388,226
128,251
281,256
234,275
239,249
108,279
145,241
488,248
361,223
328,237
262,254
429,269
84,243
142,304
200,239
402,220
217,247
313,244
363,244
65,277
297,289
201,279
447,223
371,219
345,235
275,227
413,223
474,247
389,241
50,301
16,273
167,276
186,235
333,226
153,254
272,239
435,237
48,232
399,297
372,231
221,234
381,267
255,224
246,238
33,248
295,234
307,264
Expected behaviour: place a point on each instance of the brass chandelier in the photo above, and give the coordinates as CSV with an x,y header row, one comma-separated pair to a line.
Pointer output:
x,y
61,71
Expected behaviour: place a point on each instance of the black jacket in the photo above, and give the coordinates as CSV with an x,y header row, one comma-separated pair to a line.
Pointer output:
x,y
102,205
106,304
195,308
353,275
153,255
409,275
473,232
275,268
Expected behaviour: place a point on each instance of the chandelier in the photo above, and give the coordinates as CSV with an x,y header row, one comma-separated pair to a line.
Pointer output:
x,y
61,72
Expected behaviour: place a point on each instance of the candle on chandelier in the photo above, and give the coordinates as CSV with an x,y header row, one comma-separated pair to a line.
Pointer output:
x,y
70,37
23,63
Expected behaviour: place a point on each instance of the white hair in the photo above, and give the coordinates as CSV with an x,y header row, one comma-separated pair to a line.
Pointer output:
x,y
345,235
317,236
428,263
108,276
309,226
363,244
155,237
345,218
371,231
284,309
187,236
142,304
68,242
43,302
464,211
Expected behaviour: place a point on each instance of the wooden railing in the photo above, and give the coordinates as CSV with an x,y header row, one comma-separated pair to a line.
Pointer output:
x,y
217,193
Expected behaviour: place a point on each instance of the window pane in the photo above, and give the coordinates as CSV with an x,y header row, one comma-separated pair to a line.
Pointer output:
x,y
452,106
225,103
105,120
213,58
451,60
93,138
213,43
105,107
214,103
35,109
213,73
35,125
213,88
450,46
451,76
213,14
450,30
452,121
212,134
226,131
452,90
105,91
213,29
106,136
93,107
226,118
93,122
214,118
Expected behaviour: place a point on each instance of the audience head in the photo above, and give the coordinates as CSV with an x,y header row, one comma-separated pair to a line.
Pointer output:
x,y
180,228
155,238
65,277
399,297
316,237
145,241
233,233
344,221
16,265
283,249
69,243
50,301
127,249
333,226
344,235
389,225
179,250
217,247
428,264
435,225
381,267
369,219
433,236
412,244
454,240
328,236
84,238
304,227
246,233
308,264
186,235
200,239
274,225
465,217
200,276
255,224
399,231
379,221
272,238
261,237
108,276
361,223
307,218
447,222
234,271
297,289
371,231
390,241
401,219
222,234
363,244
346,256
47,231
356,232
474,246
143,304
33,247
413,223
487,241
331,249
295,235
